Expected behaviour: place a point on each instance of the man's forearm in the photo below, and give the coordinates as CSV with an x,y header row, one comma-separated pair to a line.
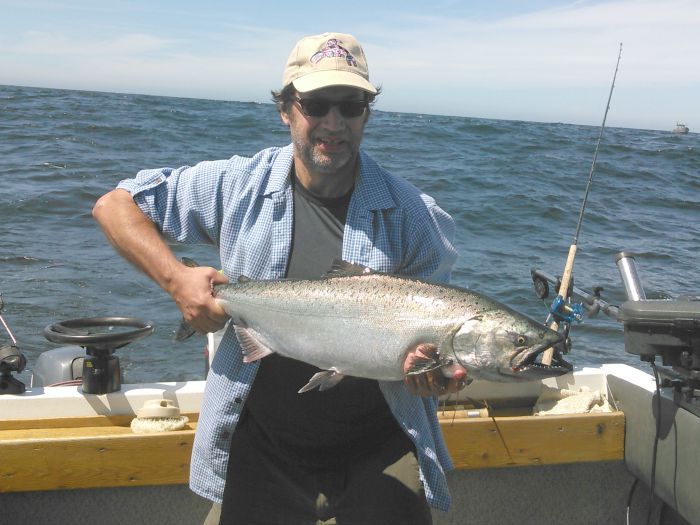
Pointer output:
x,y
135,236
138,240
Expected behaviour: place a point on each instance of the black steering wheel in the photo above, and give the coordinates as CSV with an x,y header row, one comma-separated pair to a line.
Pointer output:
x,y
77,332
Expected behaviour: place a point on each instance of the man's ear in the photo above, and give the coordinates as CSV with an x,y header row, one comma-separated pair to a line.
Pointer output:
x,y
285,118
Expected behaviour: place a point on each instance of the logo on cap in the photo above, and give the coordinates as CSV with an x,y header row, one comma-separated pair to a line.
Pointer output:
x,y
333,49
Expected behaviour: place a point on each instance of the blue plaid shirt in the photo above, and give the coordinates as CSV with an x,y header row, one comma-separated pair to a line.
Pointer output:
x,y
244,206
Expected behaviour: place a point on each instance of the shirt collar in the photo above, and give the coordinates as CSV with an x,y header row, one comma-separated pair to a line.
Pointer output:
x,y
371,190
280,173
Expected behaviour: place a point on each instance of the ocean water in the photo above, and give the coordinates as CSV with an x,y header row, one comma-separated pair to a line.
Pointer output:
x,y
514,188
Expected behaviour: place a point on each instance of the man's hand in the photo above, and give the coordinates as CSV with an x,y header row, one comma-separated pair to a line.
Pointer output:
x,y
192,290
137,238
434,382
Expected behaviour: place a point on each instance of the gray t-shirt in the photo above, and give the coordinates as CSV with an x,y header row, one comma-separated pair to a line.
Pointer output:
x,y
315,429
318,233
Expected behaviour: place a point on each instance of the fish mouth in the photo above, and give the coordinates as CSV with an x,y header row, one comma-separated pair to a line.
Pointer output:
x,y
527,361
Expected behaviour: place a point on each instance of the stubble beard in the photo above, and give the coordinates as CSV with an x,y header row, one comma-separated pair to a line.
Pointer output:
x,y
324,163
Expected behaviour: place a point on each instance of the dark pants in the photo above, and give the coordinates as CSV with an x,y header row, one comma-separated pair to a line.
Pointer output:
x,y
380,488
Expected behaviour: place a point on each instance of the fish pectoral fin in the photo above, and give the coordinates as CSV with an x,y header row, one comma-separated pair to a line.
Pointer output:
x,y
323,380
189,262
421,367
184,331
253,350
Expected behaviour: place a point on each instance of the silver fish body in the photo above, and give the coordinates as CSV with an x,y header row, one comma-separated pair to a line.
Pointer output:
x,y
363,325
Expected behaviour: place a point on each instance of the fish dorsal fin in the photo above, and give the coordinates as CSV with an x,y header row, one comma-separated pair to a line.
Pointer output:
x,y
253,350
342,268
244,279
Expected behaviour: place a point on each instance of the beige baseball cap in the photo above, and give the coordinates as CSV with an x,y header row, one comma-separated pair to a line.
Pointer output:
x,y
329,59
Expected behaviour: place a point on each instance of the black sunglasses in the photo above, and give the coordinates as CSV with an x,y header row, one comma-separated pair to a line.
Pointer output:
x,y
319,107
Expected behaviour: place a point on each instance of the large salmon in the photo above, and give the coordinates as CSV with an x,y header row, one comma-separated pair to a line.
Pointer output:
x,y
361,323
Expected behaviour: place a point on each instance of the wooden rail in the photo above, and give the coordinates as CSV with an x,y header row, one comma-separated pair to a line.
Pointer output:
x,y
72,453
517,441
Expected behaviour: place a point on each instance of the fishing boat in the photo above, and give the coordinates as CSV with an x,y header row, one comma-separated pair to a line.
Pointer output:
x,y
681,128
624,451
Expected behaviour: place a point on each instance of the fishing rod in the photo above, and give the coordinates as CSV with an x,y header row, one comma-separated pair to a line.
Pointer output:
x,y
561,310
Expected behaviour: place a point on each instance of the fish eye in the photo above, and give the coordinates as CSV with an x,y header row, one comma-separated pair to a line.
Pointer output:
x,y
521,340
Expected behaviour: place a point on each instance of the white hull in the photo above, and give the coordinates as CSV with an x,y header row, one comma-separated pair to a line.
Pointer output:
x,y
570,479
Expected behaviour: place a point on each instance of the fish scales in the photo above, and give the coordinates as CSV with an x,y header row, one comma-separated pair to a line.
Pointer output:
x,y
363,325
356,325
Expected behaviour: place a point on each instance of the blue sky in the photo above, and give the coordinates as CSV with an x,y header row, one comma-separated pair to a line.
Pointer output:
x,y
538,60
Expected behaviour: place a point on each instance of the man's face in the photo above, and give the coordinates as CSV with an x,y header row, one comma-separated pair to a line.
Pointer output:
x,y
326,144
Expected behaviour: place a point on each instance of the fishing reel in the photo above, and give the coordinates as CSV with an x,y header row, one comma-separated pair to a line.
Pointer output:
x,y
560,311
11,360
565,312
590,303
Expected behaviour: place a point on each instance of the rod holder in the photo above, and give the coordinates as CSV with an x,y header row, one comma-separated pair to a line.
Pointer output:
x,y
630,278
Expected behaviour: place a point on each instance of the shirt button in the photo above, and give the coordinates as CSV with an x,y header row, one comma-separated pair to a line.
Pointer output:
x,y
238,400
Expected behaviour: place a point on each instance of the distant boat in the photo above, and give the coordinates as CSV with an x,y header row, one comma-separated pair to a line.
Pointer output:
x,y
681,128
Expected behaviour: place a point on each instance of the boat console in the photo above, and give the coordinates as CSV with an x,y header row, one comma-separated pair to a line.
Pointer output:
x,y
95,368
661,446
101,373
669,329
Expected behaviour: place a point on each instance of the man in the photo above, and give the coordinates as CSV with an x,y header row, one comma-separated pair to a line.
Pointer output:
x,y
361,452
